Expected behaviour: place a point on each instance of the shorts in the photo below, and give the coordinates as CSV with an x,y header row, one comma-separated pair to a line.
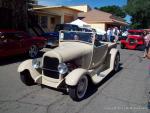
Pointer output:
x,y
147,47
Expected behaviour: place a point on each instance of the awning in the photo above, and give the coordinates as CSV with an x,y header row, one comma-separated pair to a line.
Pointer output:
x,y
100,31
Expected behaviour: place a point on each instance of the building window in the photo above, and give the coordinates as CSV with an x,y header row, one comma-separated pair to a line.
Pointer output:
x,y
52,20
44,21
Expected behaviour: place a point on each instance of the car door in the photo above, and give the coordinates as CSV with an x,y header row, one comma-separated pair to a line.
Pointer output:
x,y
14,45
24,40
9,44
4,45
99,54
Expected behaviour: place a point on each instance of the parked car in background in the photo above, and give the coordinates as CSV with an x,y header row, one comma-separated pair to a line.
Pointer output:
x,y
18,42
53,37
123,35
134,39
67,27
85,29
79,59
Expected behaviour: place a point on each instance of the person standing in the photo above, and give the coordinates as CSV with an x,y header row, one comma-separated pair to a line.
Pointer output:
x,y
116,33
147,45
109,34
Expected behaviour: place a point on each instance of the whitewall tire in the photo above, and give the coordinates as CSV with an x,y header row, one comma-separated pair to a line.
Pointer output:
x,y
78,92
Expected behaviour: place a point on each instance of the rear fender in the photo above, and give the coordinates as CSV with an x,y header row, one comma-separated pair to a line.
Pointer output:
x,y
73,77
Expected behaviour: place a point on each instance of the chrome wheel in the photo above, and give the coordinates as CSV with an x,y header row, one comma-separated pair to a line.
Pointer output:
x,y
78,92
33,51
122,46
82,87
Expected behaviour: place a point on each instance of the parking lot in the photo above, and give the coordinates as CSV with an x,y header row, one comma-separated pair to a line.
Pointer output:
x,y
124,92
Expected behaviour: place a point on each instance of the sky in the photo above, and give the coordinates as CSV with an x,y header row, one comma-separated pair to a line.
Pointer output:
x,y
91,3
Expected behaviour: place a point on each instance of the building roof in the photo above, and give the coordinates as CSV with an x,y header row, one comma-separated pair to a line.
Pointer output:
x,y
81,7
53,7
97,16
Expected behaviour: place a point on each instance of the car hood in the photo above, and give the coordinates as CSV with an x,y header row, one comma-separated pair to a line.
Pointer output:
x,y
134,36
70,50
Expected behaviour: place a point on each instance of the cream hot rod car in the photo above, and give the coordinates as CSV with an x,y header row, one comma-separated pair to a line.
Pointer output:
x,y
80,58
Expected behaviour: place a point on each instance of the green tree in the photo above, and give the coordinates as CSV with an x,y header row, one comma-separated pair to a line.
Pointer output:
x,y
115,10
16,18
140,12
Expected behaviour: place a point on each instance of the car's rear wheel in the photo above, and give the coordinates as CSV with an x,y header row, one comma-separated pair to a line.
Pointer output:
x,y
33,51
122,46
116,62
78,92
26,78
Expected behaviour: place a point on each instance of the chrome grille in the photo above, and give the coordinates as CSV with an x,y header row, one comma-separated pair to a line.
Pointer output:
x,y
50,67
131,41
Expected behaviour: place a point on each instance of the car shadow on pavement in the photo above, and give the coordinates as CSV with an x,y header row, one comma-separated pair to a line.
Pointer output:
x,y
93,88
16,59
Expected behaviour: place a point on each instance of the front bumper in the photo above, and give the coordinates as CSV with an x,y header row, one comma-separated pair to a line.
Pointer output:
x,y
55,83
132,45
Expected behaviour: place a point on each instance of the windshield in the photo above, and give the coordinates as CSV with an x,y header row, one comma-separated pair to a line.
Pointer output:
x,y
86,37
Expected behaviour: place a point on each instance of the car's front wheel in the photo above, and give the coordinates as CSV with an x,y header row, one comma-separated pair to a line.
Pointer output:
x,y
78,92
33,51
26,78
122,46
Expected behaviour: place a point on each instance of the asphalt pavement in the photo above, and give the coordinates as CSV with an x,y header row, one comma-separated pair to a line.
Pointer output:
x,y
124,92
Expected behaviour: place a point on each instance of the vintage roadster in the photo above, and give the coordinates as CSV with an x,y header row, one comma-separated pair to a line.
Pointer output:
x,y
80,58
134,40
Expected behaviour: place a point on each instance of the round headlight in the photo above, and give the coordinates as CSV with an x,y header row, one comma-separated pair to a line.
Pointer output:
x,y
62,68
35,63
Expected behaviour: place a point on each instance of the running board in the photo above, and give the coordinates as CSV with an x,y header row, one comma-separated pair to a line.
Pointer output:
x,y
99,77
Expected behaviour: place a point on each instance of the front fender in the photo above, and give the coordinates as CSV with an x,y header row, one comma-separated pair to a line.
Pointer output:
x,y
25,65
73,77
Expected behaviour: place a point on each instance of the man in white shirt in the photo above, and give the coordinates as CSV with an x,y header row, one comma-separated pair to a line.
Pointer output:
x,y
109,34
116,33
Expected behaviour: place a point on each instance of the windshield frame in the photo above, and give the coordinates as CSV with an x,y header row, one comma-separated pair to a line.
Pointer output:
x,y
82,41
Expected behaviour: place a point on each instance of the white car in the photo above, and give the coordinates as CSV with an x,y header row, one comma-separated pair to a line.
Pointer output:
x,y
80,58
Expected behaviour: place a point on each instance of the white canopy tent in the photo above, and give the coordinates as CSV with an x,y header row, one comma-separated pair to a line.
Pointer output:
x,y
80,23
100,31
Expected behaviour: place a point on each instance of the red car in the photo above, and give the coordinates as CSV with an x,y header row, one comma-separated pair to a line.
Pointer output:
x,y
134,40
19,42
